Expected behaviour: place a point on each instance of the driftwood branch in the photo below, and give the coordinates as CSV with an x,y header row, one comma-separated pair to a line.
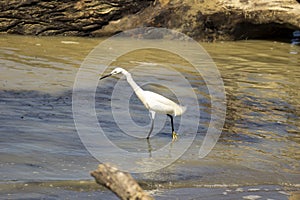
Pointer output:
x,y
121,183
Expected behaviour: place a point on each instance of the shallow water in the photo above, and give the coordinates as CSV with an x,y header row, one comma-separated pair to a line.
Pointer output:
x,y
259,145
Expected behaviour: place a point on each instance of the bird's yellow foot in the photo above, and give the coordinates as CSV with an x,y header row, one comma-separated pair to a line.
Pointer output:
x,y
174,136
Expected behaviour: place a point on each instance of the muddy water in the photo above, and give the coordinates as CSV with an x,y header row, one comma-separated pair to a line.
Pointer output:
x,y
259,145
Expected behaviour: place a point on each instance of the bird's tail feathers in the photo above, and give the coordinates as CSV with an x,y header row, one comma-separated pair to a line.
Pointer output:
x,y
183,108
180,111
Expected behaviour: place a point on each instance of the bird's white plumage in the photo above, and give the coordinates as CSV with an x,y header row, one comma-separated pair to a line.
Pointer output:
x,y
152,101
161,104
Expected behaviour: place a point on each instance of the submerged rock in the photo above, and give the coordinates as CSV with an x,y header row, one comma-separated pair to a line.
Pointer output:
x,y
206,20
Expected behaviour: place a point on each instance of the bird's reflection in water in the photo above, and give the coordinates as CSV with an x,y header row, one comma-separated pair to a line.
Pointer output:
x,y
151,149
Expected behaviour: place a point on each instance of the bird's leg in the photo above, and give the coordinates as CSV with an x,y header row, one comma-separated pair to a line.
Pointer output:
x,y
152,116
174,135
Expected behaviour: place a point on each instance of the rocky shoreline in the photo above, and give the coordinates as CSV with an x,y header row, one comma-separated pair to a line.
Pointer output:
x,y
203,20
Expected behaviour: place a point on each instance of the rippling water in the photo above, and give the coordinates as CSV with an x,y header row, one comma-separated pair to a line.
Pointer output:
x,y
259,145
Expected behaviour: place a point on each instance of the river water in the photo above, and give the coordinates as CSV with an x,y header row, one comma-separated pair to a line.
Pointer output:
x,y
257,153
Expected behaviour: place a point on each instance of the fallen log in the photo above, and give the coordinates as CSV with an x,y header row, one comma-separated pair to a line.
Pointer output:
x,y
121,183
202,20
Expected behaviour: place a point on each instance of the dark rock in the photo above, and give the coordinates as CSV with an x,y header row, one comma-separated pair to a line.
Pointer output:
x,y
62,17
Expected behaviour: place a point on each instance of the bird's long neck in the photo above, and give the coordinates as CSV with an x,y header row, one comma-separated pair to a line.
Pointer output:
x,y
132,83
137,89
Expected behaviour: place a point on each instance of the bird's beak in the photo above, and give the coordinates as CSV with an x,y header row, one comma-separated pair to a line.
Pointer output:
x,y
108,75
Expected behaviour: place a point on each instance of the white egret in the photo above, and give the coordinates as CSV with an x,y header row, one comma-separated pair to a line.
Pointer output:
x,y
154,102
